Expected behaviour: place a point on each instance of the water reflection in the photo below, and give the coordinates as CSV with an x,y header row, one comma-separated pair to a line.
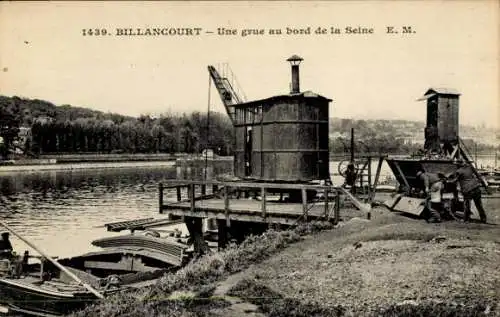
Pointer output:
x,y
63,211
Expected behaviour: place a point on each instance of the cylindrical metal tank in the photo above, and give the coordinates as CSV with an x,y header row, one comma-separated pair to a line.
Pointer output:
x,y
283,138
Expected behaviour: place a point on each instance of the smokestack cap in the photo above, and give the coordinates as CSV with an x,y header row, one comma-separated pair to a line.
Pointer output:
x,y
295,59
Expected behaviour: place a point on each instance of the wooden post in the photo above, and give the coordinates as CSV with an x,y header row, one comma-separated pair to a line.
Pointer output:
x,y
222,234
369,176
191,198
326,202
179,196
226,206
160,201
336,209
304,203
195,228
215,188
203,189
263,204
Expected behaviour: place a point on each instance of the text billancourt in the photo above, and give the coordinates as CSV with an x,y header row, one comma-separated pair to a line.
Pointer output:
x,y
157,31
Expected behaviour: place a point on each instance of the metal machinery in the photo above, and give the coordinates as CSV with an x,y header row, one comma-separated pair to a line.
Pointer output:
x,y
442,148
283,138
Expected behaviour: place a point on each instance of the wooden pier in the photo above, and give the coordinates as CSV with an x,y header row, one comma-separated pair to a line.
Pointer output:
x,y
241,208
260,201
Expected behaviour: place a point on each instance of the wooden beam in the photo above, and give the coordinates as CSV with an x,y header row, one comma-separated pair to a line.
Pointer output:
x,y
172,183
407,185
356,202
222,234
226,206
160,202
369,176
336,209
263,203
179,196
191,194
326,202
377,177
304,203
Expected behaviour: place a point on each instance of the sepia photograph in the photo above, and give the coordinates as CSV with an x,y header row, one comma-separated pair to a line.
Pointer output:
x,y
250,158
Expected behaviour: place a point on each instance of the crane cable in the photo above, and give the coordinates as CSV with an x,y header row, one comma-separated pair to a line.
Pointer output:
x,y
208,125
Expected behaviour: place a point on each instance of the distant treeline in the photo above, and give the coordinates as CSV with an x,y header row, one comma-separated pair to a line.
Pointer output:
x,y
68,129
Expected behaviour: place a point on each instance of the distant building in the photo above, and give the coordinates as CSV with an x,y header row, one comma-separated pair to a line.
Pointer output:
x,y
22,137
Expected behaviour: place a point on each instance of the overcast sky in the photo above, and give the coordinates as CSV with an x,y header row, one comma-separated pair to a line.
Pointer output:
x,y
456,45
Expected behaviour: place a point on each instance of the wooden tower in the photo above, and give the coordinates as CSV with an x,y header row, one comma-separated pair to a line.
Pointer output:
x,y
442,127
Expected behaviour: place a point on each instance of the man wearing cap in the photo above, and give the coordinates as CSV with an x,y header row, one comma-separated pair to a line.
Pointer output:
x,y
471,190
5,246
433,189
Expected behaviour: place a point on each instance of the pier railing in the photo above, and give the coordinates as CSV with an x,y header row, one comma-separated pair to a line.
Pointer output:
x,y
205,190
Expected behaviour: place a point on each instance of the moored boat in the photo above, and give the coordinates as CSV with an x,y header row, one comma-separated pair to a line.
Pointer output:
x,y
51,287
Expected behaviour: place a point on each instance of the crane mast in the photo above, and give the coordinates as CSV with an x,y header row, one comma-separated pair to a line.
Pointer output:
x,y
228,90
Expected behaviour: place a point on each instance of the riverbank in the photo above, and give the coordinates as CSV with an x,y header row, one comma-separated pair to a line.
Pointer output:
x,y
83,166
97,161
389,266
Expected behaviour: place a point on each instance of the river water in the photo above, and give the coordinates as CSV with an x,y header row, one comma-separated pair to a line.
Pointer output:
x,y
63,211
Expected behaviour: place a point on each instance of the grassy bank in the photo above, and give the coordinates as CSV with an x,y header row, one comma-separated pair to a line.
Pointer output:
x,y
389,266
188,291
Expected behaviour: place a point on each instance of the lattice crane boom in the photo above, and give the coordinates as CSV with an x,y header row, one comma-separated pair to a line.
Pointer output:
x,y
227,91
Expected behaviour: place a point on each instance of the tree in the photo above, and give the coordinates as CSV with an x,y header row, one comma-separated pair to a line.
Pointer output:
x,y
9,126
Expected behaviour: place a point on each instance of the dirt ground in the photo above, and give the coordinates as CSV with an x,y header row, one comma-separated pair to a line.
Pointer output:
x,y
368,266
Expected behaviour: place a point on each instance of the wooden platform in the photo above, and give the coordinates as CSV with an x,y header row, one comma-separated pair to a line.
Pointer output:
x,y
228,200
249,209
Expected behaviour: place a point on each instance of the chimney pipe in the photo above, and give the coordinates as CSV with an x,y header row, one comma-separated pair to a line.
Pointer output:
x,y
295,61
295,79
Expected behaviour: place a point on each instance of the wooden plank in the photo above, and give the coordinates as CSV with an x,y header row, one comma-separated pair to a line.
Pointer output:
x,y
249,206
356,202
248,184
124,225
121,266
285,220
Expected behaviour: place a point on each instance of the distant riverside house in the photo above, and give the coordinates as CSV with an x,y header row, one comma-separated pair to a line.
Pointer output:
x,y
208,153
22,137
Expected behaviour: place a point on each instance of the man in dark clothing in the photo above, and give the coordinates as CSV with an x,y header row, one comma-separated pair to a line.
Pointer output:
x,y
5,245
350,177
471,190
433,189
